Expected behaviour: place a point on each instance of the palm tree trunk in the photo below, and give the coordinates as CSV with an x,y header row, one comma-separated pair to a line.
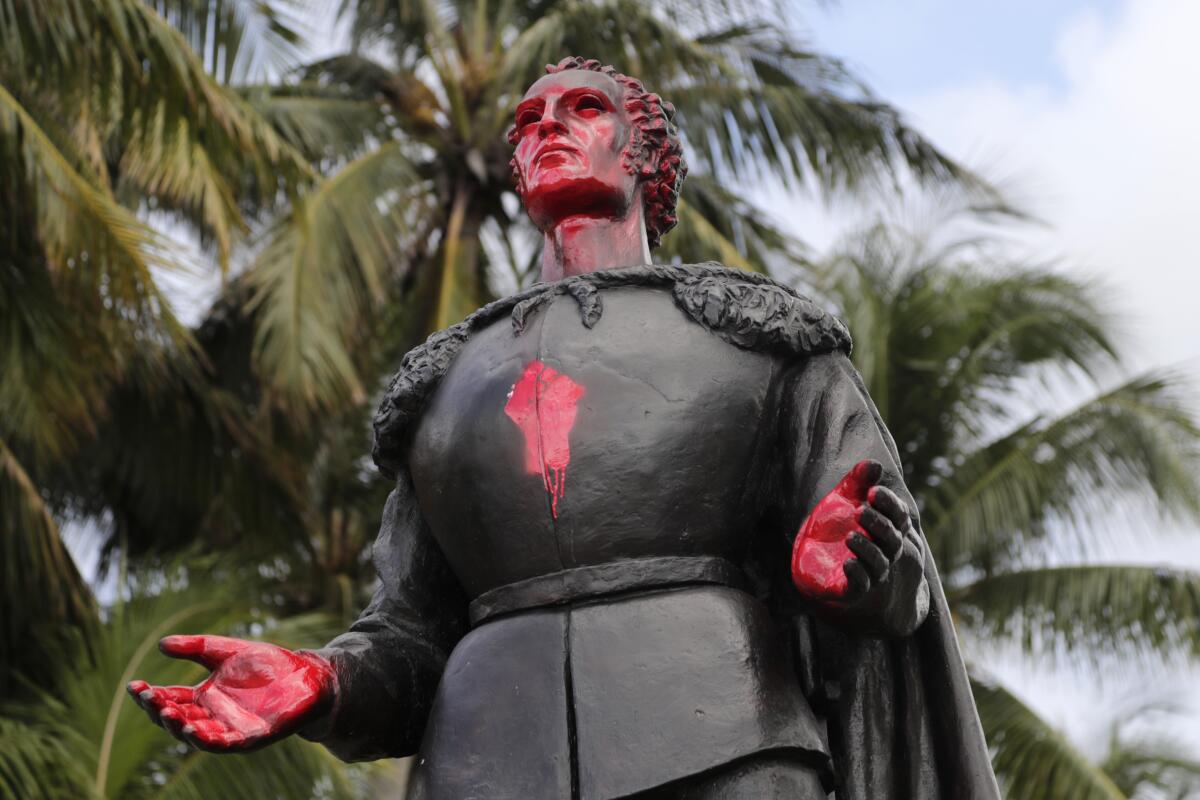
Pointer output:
x,y
460,287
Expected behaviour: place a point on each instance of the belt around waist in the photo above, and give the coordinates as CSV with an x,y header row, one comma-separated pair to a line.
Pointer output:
x,y
600,580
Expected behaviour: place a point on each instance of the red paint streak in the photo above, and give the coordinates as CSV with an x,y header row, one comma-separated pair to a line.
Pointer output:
x,y
543,404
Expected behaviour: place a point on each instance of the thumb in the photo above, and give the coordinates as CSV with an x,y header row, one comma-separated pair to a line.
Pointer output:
x,y
855,484
210,651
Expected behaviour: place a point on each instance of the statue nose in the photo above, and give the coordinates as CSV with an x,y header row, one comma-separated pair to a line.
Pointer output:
x,y
550,125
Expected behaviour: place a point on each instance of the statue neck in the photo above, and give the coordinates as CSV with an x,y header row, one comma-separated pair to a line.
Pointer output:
x,y
581,244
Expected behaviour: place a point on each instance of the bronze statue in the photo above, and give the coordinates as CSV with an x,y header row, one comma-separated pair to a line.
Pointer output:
x,y
649,537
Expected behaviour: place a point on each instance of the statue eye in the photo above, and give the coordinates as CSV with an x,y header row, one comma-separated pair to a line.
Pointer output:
x,y
589,105
528,117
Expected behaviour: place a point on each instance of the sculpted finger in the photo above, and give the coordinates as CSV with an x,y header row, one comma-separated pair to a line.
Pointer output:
x,y
209,651
192,712
208,734
151,699
890,505
913,539
858,579
870,556
881,530
145,701
175,694
913,551
172,720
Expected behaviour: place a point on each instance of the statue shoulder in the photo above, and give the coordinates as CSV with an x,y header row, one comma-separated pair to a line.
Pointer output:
x,y
746,309
757,313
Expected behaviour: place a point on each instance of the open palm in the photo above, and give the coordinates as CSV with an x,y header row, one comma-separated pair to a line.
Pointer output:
x,y
257,693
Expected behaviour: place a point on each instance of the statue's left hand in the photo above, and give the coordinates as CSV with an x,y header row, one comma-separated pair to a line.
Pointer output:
x,y
257,693
859,555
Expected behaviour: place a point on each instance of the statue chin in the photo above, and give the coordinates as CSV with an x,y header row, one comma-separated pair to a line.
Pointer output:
x,y
555,198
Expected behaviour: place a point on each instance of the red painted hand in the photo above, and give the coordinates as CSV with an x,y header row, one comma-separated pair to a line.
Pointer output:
x,y
257,693
858,551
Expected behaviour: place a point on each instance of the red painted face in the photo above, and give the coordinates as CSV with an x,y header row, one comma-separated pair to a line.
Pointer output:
x,y
573,131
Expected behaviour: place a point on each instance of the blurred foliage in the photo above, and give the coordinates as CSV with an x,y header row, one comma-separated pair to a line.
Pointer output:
x,y
352,205
76,735
954,341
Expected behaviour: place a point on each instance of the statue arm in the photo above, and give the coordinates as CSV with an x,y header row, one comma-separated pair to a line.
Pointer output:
x,y
858,554
388,664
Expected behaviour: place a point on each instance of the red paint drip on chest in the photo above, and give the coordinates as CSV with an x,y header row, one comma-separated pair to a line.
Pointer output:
x,y
543,403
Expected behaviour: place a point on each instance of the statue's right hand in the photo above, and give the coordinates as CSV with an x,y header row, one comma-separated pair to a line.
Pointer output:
x,y
257,693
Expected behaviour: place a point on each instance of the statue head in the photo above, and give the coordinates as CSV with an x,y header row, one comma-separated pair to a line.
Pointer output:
x,y
591,141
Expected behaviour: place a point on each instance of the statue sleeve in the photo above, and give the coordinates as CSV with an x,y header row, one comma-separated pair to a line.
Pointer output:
x,y
829,425
899,713
390,661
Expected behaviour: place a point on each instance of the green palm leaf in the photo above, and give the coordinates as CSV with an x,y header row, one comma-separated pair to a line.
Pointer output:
x,y
716,224
1137,440
41,589
324,124
137,99
323,269
1156,762
1033,761
238,40
109,748
1093,611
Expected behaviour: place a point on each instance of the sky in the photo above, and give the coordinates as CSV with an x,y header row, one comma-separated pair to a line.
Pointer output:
x,y
1086,114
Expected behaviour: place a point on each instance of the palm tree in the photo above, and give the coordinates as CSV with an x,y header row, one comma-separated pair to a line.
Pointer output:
x,y
107,117
952,339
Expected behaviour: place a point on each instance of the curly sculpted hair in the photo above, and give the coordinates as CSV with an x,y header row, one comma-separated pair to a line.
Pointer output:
x,y
655,151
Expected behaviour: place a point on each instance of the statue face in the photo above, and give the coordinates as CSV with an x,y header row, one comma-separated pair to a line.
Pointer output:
x,y
573,132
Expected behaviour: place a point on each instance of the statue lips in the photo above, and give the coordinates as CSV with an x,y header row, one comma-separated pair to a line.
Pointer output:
x,y
556,147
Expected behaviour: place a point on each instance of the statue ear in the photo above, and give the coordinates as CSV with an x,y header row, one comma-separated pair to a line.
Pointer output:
x,y
518,180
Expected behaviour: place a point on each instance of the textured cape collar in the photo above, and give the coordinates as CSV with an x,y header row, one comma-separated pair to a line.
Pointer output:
x,y
746,309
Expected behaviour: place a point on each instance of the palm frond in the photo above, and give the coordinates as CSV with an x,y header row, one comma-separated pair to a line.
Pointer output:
x,y
326,125
417,107
114,750
239,40
164,125
962,325
1136,441
1158,765
291,768
88,239
716,224
41,589
323,268
1091,611
38,763
1033,761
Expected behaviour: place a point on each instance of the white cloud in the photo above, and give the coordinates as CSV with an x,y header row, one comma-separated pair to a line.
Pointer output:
x,y
1110,158
1111,161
